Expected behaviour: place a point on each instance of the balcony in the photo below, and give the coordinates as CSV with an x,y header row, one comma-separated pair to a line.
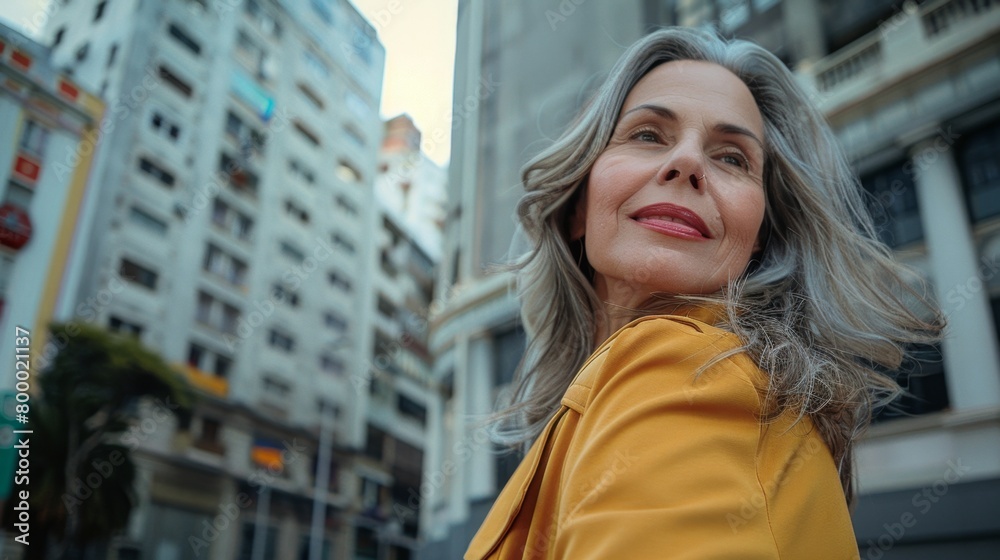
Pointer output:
x,y
205,381
915,38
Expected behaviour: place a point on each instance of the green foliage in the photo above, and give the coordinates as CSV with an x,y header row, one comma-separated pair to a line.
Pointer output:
x,y
82,477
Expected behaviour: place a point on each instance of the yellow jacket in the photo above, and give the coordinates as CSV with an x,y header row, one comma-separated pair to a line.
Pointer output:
x,y
642,461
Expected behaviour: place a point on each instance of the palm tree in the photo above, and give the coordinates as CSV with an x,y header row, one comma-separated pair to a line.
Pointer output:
x,y
82,476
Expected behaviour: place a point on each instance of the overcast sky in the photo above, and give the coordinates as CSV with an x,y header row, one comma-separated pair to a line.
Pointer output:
x,y
419,39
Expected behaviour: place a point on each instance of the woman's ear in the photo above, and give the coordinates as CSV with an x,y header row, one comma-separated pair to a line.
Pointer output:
x,y
578,214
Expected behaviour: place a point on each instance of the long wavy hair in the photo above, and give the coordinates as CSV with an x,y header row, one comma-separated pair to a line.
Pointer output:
x,y
824,309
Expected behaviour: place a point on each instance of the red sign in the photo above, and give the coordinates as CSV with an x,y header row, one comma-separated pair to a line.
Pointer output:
x,y
26,169
68,89
15,226
20,59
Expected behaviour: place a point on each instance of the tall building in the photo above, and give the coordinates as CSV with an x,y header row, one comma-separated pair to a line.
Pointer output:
x,y
404,399
910,90
230,209
410,185
508,102
49,125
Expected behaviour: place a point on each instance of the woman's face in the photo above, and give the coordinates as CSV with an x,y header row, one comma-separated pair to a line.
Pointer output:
x,y
675,202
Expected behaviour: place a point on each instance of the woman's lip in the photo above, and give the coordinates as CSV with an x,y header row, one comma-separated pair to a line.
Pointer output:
x,y
676,229
672,218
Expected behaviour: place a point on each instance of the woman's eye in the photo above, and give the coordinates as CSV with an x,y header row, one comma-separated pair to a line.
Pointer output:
x,y
735,159
646,136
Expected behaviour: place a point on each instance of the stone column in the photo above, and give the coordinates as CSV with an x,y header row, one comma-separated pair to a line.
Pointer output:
x,y
971,357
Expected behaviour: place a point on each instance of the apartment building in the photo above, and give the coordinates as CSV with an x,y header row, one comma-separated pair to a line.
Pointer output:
x,y
49,124
232,210
404,400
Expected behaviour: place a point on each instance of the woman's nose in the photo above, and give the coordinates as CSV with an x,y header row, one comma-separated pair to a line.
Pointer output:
x,y
684,162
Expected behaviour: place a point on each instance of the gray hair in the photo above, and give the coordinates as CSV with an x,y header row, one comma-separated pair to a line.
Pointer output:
x,y
825,310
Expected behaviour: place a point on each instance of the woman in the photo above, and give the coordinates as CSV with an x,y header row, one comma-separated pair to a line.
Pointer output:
x,y
709,314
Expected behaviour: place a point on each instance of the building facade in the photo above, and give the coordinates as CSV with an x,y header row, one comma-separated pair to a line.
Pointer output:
x,y
404,399
50,124
911,91
228,235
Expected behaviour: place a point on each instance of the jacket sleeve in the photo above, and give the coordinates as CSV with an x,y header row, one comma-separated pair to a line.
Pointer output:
x,y
664,465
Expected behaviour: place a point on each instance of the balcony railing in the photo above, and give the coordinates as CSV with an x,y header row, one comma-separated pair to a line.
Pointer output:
x,y
915,36
939,18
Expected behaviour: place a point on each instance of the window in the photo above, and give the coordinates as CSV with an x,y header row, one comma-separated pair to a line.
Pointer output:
x,y
923,376
334,321
292,252
981,172
147,221
893,205
388,265
330,364
299,170
310,95
277,388
138,274
354,135
386,308
307,134
297,212
343,243
183,38
375,443
339,281
326,408
208,361
112,54
164,126
217,314
316,65
267,23
34,138
155,171
362,44
209,436
224,265
509,346
281,340
357,104
281,293
119,325
346,205
241,179
210,429
81,52
322,9
60,33
411,409
99,9
250,140
347,173
230,220
175,81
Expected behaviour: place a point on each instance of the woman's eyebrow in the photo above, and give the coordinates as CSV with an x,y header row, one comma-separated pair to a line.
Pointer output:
x,y
725,128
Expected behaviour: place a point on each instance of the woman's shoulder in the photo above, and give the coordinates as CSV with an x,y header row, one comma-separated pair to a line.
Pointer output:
x,y
669,353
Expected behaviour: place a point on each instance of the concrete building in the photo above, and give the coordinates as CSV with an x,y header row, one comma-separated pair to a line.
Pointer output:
x,y
910,90
48,126
404,400
508,102
49,123
410,185
244,138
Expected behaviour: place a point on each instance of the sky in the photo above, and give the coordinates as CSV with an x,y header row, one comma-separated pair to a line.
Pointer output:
x,y
419,39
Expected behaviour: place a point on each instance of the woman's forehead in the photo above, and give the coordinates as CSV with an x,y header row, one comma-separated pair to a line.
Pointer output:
x,y
695,86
